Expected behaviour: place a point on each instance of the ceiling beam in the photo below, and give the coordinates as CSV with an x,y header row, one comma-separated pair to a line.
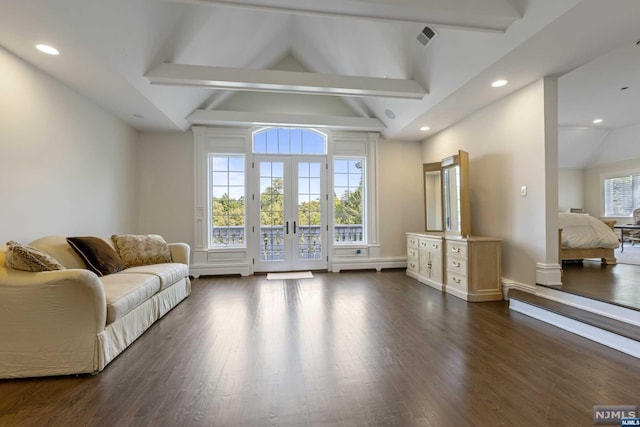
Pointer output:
x,y
455,19
248,118
283,81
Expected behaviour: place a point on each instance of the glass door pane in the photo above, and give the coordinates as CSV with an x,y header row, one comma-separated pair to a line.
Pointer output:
x,y
290,210
309,212
272,213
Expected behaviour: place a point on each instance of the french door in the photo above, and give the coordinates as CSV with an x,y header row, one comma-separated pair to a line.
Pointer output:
x,y
290,213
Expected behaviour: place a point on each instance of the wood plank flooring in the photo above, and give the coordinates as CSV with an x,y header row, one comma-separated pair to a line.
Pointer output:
x,y
347,349
618,284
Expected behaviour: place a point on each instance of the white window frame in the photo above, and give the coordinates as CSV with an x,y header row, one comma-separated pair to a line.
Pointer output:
x,y
365,192
238,140
210,185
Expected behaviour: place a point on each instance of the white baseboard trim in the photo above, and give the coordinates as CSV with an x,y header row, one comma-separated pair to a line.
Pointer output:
x,y
512,284
197,270
338,265
592,333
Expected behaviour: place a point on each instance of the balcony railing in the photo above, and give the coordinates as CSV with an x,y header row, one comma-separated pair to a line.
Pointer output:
x,y
272,239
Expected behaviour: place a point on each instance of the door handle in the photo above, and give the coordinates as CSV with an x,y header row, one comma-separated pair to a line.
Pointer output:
x,y
287,227
294,227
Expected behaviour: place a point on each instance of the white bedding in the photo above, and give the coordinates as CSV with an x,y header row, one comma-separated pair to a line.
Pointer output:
x,y
584,231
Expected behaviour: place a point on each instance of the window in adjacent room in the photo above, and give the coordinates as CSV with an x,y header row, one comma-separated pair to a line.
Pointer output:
x,y
621,195
227,187
348,200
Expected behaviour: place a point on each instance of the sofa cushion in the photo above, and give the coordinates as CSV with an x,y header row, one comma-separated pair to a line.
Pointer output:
x,y
97,254
27,258
124,292
135,250
167,273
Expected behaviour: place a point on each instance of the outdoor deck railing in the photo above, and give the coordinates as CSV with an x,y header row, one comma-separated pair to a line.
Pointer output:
x,y
272,239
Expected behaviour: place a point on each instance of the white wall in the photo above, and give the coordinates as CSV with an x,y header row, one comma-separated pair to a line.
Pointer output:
x,y
66,166
509,148
400,194
570,190
166,186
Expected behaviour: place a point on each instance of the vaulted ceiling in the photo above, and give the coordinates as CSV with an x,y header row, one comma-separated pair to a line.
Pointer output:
x,y
164,65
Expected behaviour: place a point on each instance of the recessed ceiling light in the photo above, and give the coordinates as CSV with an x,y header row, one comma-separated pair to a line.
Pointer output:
x,y
425,128
499,83
596,121
47,49
390,114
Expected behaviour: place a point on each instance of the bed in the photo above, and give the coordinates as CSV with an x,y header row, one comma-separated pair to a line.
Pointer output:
x,y
582,236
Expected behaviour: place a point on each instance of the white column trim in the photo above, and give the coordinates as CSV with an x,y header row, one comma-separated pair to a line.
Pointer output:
x,y
548,274
199,163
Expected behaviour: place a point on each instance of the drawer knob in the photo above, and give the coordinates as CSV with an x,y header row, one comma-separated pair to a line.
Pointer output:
x,y
455,264
455,279
456,250
434,246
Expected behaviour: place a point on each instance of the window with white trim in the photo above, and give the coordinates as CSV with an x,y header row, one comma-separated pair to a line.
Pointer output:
x,y
348,200
228,207
621,195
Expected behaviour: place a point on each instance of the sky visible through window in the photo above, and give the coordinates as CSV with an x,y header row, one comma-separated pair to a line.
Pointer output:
x,y
289,141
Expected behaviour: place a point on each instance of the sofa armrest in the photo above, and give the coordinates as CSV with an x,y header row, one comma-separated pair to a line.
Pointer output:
x,y
50,322
180,252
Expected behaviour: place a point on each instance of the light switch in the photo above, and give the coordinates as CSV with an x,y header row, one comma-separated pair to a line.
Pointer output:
x,y
523,191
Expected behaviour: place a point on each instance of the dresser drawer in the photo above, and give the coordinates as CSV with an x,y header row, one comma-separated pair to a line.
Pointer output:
x,y
457,249
412,242
457,265
456,280
412,253
430,245
412,265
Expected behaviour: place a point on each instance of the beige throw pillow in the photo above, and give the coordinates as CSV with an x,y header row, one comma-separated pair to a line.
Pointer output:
x,y
27,258
137,250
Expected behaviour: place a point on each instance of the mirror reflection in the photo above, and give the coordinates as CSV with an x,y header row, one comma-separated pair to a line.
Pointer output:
x,y
451,198
433,198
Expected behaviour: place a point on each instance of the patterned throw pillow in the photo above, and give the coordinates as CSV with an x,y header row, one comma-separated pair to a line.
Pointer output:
x,y
97,255
27,258
137,250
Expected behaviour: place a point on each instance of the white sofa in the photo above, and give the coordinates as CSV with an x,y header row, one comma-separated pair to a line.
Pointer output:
x,y
72,321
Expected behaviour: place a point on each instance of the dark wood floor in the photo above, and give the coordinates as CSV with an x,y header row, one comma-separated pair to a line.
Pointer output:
x,y
618,284
347,349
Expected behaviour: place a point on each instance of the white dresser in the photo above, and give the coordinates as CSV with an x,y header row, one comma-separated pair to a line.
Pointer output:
x,y
467,267
424,259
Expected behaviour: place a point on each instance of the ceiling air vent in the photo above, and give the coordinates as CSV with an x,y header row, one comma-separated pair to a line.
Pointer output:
x,y
426,35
